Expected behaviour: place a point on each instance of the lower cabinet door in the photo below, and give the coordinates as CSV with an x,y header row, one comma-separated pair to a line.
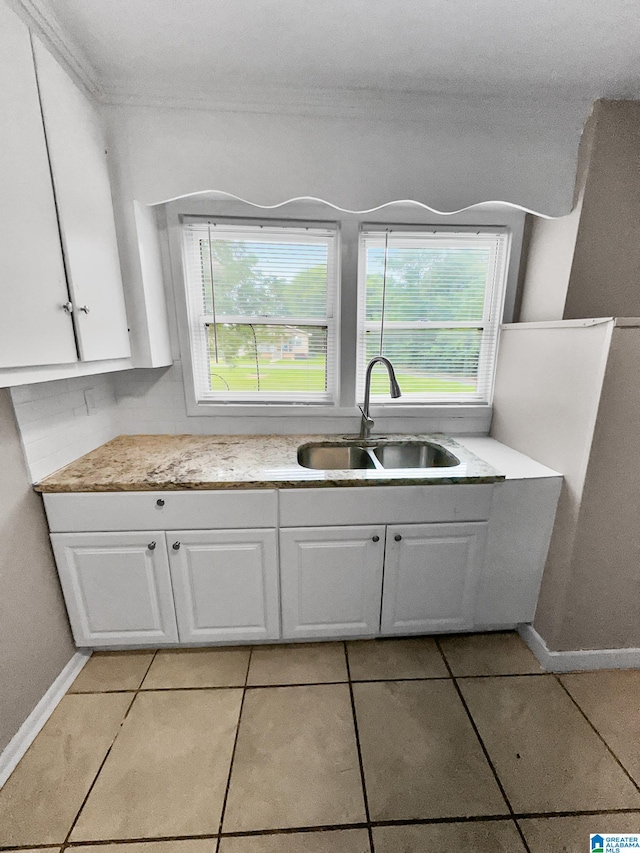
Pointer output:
x,y
431,576
331,580
225,584
117,588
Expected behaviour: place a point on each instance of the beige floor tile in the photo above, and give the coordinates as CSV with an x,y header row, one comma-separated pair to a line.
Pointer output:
x,y
40,800
198,668
420,754
167,772
195,845
547,756
571,834
112,671
338,841
482,837
371,660
489,654
296,761
611,700
298,663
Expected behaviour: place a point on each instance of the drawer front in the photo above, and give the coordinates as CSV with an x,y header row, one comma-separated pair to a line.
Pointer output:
x,y
161,510
385,505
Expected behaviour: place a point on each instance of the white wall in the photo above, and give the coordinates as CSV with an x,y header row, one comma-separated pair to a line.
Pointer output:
x,y
549,259
548,386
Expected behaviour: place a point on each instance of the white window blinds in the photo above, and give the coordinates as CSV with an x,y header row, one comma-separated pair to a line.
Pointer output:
x,y
261,303
431,303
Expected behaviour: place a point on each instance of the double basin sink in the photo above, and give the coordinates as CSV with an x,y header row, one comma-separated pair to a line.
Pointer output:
x,y
375,455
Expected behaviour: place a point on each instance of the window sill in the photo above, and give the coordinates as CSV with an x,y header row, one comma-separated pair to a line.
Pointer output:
x,y
310,410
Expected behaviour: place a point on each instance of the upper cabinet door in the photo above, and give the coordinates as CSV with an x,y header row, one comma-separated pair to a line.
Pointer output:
x,y
85,209
34,327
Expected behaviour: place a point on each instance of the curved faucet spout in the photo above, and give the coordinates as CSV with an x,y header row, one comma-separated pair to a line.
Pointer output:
x,y
394,390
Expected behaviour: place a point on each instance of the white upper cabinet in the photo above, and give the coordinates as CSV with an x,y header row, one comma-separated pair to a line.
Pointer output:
x,y
85,209
34,327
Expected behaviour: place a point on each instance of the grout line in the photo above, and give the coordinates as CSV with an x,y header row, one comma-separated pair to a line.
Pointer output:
x,y
233,751
300,830
144,677
355,726
317,683
612,753
482,744
95,779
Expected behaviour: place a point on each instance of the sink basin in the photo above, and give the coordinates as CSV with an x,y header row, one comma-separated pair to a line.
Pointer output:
x,y
377,455
334,457
414,454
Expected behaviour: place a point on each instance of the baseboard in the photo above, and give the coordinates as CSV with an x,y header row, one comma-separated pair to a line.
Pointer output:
x,y
580,659
27,732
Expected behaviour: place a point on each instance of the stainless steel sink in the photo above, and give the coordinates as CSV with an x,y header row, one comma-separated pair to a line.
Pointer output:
x,y
414,454
334,457
375,455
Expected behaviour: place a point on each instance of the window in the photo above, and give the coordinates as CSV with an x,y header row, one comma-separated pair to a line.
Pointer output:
x,y
432,303
261,311
284,309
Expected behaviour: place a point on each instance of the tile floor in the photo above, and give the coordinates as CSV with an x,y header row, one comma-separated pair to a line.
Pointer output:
x,y
377,746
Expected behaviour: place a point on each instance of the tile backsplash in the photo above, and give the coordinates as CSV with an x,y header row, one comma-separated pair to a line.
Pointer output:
x,y
56,426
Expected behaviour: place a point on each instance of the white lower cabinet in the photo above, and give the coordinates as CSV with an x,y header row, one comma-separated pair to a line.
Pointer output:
x,y
117,588
225,584
431,576
331,579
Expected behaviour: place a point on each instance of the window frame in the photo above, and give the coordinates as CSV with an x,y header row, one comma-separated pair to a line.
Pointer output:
x,y
295,416
493,315
198,348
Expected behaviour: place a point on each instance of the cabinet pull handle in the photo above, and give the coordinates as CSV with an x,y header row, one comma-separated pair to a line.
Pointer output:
x,y
151,546
84,309
176,546
376,538
160,502
68,307
397,537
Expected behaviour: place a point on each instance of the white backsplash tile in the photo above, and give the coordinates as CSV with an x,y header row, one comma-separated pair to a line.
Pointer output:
x,y
56,428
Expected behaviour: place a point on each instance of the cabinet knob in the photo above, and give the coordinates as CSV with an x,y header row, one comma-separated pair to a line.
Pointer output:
x,y
176,546
151,546
397,537
376,538
84,309
160,502
68,307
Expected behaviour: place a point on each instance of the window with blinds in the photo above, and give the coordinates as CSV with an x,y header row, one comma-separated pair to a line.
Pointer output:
x,y
431,303
261,304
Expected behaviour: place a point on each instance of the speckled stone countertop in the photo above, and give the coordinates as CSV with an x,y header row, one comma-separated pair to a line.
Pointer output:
x,y
136,463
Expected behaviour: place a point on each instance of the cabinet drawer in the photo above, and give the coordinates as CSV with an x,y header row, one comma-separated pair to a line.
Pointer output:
x,y
161,510
384,505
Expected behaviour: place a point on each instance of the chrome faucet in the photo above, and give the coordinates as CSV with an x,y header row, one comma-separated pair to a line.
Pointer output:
x,y
394,389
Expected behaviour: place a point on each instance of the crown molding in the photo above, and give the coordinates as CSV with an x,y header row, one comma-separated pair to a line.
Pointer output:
x,y
40,18
407,107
